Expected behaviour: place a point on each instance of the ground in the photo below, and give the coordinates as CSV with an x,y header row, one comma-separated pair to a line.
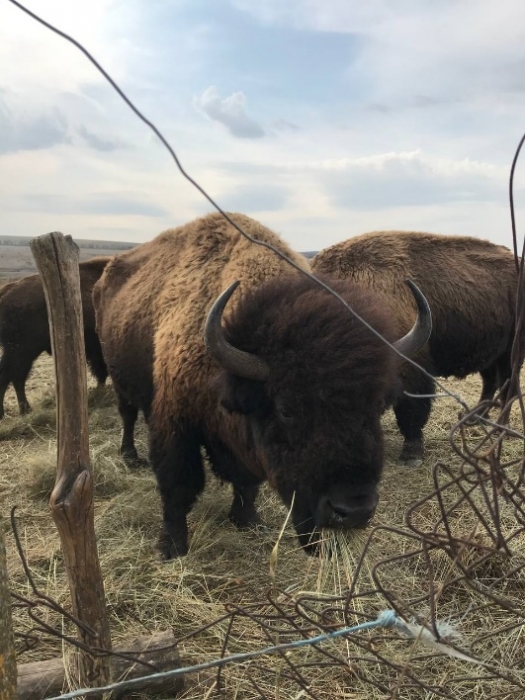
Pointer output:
x,y
226,566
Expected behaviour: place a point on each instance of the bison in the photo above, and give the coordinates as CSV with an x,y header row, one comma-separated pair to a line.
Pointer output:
x,y
24,329
284,386
471,286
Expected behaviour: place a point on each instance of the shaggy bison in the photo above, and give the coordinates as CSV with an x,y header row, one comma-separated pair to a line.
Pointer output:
x,y
223,346
24,330
471,287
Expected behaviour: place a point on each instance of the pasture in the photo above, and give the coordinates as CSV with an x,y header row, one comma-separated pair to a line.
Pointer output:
x,y
228,566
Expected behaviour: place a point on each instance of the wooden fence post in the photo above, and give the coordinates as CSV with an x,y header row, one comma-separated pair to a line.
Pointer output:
x,y
7,646
71,502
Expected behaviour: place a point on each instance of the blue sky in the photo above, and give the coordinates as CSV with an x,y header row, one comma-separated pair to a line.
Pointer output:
x,y
321,118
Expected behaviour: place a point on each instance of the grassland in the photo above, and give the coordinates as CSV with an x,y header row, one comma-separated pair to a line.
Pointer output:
x,y
16,259
228,566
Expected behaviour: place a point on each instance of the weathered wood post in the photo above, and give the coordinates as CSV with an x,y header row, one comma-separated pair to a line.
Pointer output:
x,y
71,502
7,647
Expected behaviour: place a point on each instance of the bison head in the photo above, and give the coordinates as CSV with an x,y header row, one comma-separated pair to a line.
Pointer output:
x,y
311,382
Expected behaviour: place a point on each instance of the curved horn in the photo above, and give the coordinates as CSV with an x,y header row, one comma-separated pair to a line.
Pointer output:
x,y
410,344
238,362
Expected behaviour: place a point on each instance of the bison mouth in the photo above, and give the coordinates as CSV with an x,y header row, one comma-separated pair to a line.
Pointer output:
x,y
337,508
335,512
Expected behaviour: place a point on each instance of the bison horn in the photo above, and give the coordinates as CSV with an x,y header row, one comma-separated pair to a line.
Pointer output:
x,y
410,344
238,362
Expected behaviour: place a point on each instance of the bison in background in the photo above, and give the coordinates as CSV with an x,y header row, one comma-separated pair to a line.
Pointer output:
x,y
471,286
24,329
289,387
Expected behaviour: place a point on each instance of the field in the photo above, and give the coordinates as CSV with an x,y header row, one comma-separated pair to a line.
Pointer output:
x,y
17,260
226,566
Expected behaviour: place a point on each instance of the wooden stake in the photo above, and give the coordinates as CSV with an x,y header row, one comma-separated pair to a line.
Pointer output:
x,y
7,647
71,502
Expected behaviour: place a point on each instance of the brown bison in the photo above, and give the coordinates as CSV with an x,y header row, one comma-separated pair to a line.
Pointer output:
x,y
24,330
471,287
288,387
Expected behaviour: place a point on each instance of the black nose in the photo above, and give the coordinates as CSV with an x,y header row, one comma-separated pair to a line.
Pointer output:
x,y
338,510
338,513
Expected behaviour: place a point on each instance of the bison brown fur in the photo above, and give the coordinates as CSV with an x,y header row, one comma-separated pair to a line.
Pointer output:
x,y
24,329
310,426
471,286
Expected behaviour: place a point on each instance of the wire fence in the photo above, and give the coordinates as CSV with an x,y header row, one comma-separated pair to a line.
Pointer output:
x,y
458,631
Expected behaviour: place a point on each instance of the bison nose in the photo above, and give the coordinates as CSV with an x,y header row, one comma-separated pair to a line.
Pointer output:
x,y
338,513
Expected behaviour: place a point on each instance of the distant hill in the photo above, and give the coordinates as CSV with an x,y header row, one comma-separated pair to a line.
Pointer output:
x,y
16,259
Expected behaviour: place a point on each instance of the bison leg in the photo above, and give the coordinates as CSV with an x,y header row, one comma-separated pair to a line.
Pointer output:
x,y
177,463
20,389
95,359
494,378
129,415
20,373
243,513
412,415
490,382
5,380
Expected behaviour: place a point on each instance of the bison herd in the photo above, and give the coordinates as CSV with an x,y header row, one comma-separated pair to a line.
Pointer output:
x,y
227,350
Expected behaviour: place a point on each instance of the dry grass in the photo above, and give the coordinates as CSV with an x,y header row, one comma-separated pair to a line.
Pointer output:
x,y
225,565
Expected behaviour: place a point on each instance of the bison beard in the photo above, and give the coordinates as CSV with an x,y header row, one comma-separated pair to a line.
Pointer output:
x,y
308,409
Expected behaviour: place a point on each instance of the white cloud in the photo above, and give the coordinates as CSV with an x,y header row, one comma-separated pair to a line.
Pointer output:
x,y
231,112
420,48
35,59
26,132
418,159
418,134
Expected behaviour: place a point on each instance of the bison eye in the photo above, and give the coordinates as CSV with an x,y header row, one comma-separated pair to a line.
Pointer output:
x,y
285,415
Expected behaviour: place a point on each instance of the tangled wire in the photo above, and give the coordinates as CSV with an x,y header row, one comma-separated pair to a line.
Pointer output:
x,y
460,546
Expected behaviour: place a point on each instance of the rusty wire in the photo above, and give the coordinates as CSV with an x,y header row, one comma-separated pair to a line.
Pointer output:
x,y
284,616
482,561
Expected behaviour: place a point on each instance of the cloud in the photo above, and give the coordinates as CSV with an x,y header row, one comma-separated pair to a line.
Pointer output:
x,y
441,50
384,181
33,58
231,112
283,125
31,133
410,160
98,143
107,204
256,198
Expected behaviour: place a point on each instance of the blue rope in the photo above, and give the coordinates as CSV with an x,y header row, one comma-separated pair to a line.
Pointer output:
x,y
387,618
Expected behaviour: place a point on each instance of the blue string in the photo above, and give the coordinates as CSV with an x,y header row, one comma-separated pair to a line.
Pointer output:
x,y
387,618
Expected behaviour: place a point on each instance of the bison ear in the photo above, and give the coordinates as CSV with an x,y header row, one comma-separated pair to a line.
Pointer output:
x,y
238,395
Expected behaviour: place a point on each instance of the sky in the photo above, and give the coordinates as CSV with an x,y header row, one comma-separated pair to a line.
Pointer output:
x,y
322,119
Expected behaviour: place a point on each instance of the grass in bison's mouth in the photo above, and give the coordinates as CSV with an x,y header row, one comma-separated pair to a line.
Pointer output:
x,y
228,566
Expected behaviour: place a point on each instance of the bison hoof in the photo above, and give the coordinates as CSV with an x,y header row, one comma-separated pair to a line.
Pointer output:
x,y
412,454
411,463
137,463
132,460
171,549
244,520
